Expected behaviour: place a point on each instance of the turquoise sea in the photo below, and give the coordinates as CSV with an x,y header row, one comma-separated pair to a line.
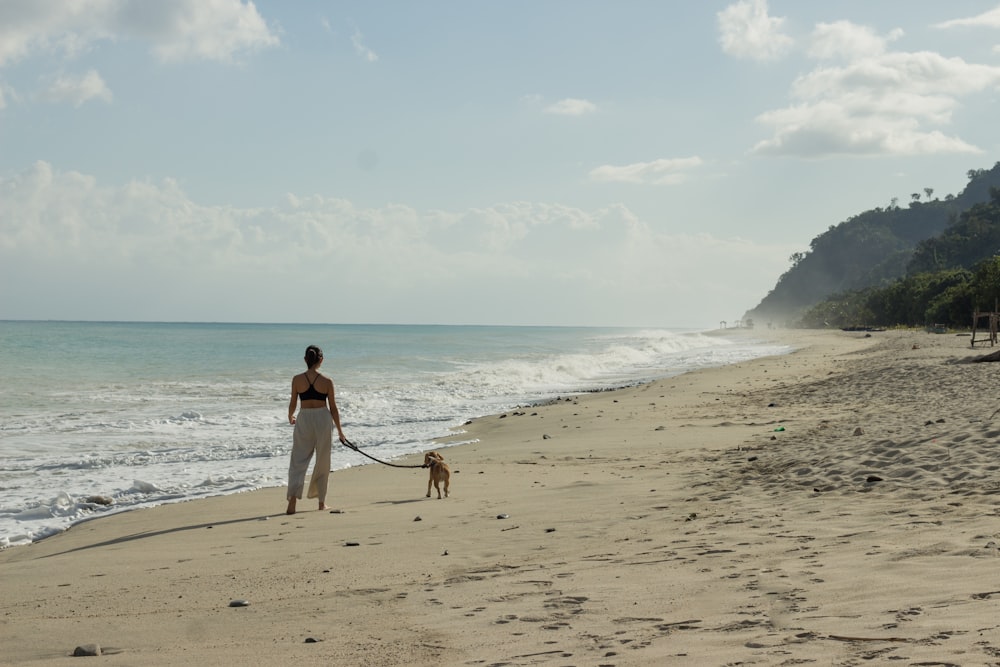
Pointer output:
x,y
150,413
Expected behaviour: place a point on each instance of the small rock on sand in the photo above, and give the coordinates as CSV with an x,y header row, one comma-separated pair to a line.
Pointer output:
x,y
87,650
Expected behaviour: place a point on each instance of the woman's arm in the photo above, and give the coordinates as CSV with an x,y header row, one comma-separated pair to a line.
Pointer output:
x,y
292,403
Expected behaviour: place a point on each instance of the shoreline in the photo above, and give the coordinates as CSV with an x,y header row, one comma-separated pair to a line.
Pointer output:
x,y
722,515
63,507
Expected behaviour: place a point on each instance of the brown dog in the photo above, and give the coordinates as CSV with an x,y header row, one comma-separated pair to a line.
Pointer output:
x,y
440,472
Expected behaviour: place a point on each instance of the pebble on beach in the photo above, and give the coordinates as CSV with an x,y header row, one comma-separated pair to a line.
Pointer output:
x,y
87,650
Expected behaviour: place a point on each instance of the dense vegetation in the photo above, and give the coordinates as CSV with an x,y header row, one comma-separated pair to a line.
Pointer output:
x,y
948,279
894,266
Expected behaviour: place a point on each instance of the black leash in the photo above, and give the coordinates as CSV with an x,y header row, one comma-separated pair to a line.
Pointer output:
x,y
347,443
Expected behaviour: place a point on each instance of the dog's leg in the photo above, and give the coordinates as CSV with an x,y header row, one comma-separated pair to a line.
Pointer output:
x,y
429,480
447,483
437,487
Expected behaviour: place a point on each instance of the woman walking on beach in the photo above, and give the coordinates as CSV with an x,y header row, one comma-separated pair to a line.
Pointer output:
x,y
313,430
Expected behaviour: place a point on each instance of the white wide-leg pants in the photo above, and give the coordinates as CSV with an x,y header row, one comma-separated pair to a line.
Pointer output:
x,y
313,433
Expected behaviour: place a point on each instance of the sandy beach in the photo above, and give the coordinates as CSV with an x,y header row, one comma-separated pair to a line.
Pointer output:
x,y
834,506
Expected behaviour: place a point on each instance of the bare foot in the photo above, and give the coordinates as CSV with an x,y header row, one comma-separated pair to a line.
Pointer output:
x,y
291,506
322,506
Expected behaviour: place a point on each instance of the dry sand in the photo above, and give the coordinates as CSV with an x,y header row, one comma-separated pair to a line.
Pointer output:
x,y
670,523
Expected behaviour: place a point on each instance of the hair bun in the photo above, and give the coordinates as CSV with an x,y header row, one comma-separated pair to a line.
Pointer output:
x,y
313,355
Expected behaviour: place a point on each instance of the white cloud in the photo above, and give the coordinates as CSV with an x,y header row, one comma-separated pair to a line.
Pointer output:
x,y
197,29
147,251
357,39
657,172
877,102
825,128
49,25
988,19
178,30
848,41
77,90
746,31
922,74
571,107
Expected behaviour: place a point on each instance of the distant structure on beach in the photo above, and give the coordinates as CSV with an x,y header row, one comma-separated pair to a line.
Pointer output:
x,y
986,324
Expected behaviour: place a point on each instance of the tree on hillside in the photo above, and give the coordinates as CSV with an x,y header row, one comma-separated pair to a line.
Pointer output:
x,y
969,239
986,285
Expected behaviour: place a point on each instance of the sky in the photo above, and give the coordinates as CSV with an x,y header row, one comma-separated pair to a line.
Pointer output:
x,y
640,163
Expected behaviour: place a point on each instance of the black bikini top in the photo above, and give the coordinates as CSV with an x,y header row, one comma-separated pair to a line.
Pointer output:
x,y
311,394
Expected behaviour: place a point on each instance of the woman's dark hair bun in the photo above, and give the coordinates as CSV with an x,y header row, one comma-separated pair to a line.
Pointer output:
x,y
313,355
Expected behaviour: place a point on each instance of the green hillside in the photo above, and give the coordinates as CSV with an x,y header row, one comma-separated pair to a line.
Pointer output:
x,y
878,247
948,278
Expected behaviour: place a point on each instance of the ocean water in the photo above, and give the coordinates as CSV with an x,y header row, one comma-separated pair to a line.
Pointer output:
x,y
152,413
